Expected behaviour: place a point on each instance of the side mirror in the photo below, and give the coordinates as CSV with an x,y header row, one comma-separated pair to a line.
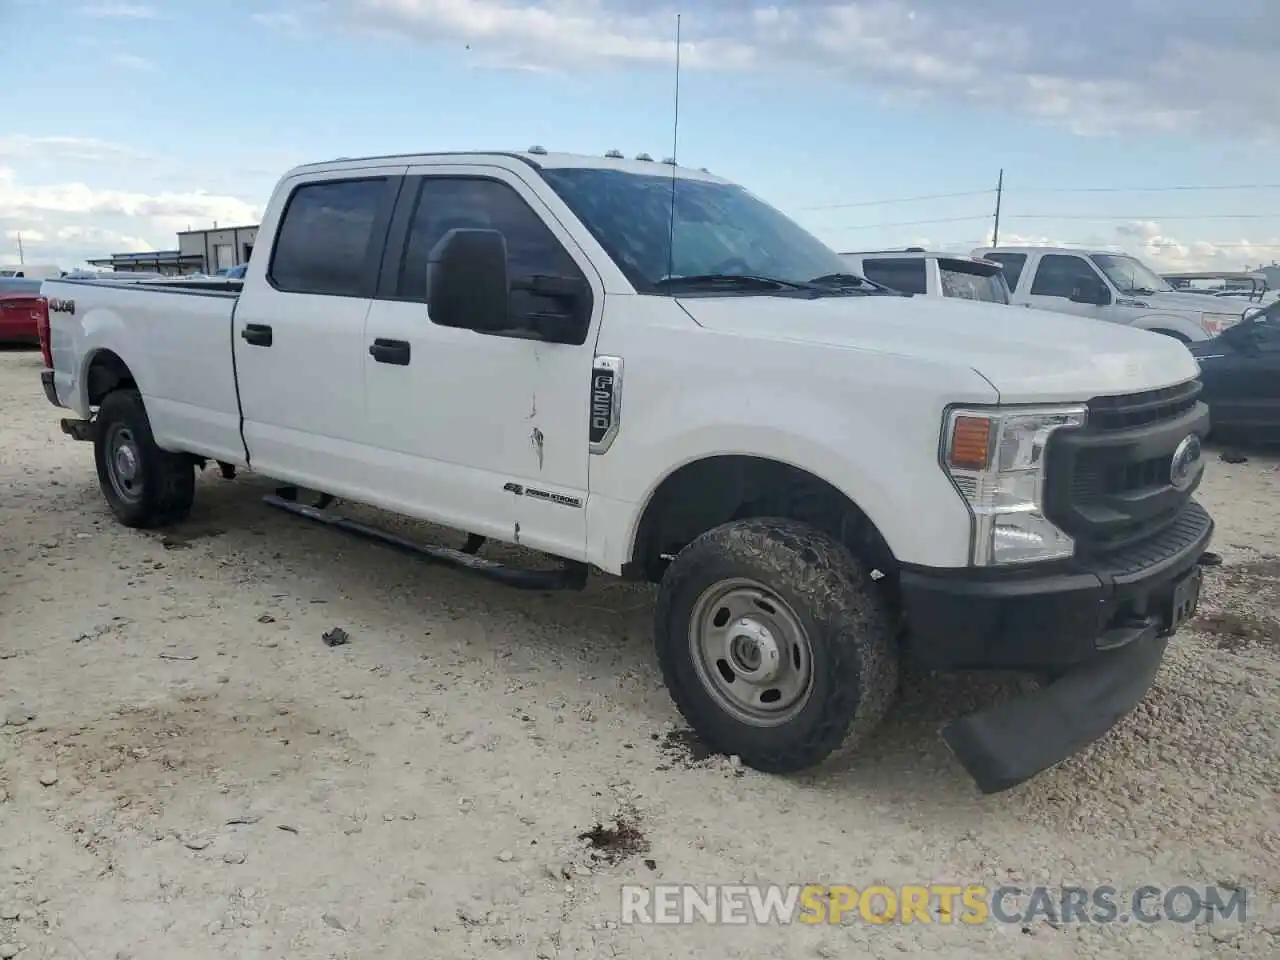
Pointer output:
x,y
1092,291
467,283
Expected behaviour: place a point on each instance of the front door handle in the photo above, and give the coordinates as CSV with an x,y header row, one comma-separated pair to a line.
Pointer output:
x,y
256,334
390,351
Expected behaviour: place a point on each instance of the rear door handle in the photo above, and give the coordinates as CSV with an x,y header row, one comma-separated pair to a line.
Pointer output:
x,y
256,334
390,351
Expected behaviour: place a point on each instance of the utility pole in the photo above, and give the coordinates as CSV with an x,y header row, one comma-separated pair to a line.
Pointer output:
x,y
995,233
21,258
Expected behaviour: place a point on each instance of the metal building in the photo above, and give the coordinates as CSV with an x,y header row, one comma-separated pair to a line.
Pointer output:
x,y
219,247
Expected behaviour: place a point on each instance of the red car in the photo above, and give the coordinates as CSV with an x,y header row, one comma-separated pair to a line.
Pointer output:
x,y
19,305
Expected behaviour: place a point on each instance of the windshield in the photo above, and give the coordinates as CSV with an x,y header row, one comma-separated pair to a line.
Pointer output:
x,y
1130,275
967,281
719,229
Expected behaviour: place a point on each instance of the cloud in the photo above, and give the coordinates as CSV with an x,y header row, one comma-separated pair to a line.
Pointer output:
x,y
75,149
132,62
120,11
284,20
1094,66
68,221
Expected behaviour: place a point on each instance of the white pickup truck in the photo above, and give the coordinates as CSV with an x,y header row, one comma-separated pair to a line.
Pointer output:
x,y
825,478
1110,286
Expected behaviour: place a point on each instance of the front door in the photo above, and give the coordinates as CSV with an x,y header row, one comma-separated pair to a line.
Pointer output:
x,y
484,433
1057,276
298,335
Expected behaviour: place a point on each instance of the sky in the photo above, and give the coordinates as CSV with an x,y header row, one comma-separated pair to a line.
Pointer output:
x,y
1148,125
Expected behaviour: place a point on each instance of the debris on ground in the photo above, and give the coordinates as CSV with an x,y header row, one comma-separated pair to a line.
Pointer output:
x,y
335,637
615,842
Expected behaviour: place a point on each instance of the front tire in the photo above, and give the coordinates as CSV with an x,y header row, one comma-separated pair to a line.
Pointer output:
x,y
144,485
775,644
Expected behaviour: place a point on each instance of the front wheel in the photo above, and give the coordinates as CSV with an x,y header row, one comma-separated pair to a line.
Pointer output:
x,y
144,485
775,643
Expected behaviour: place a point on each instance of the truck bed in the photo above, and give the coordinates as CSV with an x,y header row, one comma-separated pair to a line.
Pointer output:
x,y
177,336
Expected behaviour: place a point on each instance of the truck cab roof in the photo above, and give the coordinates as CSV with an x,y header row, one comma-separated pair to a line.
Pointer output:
x,y
536,157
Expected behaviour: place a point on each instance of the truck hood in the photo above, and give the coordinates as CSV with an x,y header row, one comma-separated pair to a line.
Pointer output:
x,y
1029,356
1190,304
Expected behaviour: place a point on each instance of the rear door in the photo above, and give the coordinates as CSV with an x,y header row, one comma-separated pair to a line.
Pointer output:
x,y
298,330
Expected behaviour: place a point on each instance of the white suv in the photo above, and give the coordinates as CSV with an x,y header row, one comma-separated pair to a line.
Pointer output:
x,y
925,273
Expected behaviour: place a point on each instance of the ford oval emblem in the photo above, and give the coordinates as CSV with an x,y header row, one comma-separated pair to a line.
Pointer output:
x,y
1182,468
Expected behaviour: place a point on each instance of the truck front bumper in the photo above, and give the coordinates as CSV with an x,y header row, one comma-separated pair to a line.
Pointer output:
x,y
1098,628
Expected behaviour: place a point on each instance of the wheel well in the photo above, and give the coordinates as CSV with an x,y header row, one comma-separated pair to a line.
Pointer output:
x,y
706,493
106,372
1171,333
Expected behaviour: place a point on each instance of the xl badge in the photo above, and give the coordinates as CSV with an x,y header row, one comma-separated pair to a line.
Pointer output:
x,y
1182,468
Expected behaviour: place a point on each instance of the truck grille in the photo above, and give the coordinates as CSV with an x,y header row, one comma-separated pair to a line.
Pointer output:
x,y
1108,483
1140,409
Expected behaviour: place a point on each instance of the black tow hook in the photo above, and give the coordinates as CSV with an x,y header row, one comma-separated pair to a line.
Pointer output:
x,y
79,429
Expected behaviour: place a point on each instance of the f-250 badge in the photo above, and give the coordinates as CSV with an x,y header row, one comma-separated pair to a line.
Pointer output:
x,y
57,305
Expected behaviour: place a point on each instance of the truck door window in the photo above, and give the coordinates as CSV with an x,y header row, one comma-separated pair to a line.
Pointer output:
x,y
904,274
1058,275
323,245
449,203
1012,263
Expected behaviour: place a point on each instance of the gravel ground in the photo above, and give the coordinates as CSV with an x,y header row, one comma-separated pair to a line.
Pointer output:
x,y
187,770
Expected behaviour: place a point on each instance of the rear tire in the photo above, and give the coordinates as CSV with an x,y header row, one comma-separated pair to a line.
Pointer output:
x,y
144,485
775,644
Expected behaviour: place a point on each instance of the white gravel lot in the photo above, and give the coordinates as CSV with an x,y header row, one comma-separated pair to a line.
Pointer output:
x,y
421,791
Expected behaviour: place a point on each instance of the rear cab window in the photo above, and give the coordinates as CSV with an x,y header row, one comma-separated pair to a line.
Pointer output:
x,y
904,274
969,280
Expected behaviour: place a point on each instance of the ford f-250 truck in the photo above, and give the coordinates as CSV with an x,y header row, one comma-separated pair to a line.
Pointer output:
x,y
645,369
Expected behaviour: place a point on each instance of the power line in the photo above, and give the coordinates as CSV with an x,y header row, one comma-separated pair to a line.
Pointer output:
x,y
878,203
1188,188
1100,218
914,223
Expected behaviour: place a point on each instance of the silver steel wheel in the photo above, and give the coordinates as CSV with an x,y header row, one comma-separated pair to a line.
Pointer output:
x,y
124,463
751,653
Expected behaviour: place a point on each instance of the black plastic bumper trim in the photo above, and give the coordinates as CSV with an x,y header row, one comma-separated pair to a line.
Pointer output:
x,y
1010,743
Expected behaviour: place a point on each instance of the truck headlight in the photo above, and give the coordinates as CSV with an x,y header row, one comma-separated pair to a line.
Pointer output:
x,y
996,460
1215,323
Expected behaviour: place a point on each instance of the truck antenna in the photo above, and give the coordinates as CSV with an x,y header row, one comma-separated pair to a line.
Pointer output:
x,y
675,142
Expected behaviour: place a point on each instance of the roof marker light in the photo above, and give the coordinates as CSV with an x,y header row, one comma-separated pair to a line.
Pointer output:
x,y
537,150
644,156
614,155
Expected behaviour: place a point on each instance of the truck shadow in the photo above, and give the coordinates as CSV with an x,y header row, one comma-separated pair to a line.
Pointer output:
x,y
603,630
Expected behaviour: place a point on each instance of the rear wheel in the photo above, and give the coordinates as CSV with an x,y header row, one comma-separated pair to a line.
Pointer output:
x,y
144,485
775,643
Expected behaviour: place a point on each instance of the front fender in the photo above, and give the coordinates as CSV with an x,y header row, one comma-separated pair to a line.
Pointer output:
x,y
1174,322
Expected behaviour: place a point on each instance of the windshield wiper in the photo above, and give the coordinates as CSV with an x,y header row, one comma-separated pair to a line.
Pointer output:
x,y
845,281
745,282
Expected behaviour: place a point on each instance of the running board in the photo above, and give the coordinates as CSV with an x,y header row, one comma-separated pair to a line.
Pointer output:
x,y
573,576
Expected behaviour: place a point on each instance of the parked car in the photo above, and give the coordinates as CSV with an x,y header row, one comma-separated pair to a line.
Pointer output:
x,y
686,387
1104,285
31,271
921,272
19,309
1240,370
